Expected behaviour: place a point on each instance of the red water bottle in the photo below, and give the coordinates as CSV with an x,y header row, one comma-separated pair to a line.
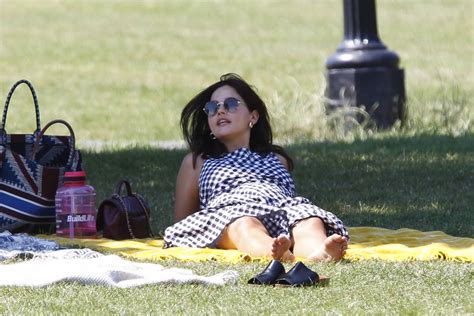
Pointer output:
x,y
75,207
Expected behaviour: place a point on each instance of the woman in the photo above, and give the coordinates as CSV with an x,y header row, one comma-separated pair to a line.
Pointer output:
x,y
234,190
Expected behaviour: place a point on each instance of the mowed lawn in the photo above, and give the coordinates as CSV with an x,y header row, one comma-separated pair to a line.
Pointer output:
x,y
121,71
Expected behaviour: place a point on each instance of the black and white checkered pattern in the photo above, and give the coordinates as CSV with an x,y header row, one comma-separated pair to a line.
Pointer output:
x,y
244,183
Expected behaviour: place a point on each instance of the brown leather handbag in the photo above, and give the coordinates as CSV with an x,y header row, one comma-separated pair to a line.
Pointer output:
x,y
124,217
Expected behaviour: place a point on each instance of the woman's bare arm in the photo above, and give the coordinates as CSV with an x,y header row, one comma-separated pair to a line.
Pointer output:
x,y
187,188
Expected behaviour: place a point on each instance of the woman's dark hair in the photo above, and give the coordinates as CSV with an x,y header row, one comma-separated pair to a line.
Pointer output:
x,y
196,129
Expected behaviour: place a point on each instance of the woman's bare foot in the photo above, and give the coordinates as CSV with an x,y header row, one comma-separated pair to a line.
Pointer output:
x,y
333,249
281,249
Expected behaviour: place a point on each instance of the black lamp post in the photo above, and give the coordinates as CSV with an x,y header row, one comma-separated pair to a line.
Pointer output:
x,y
363,65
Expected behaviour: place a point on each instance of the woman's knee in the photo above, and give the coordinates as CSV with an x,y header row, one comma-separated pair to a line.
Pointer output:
x,y
310,221
237,231
309,224
244,223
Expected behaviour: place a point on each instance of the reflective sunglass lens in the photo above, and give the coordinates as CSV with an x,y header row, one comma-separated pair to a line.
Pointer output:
x,y
211,108
231,104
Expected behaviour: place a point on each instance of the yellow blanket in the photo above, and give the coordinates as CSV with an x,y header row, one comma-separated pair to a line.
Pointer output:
x,y
366,243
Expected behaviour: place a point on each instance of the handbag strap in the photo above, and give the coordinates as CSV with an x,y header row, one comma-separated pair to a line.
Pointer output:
x,y
122,203
72,142
117,196
7,103
118,190
129,226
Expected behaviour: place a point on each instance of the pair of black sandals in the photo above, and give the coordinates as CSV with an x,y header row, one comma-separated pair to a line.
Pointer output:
x,y
298,275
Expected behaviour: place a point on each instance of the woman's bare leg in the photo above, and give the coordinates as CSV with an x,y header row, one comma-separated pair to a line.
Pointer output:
x,y
248,235
311,241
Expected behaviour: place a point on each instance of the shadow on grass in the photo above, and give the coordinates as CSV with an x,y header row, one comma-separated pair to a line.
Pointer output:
x,y
422,182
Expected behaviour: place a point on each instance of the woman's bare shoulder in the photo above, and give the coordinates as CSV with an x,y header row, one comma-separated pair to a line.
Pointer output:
x,y
283,160
188,162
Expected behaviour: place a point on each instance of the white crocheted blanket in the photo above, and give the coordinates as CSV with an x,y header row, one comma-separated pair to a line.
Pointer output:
x,y
50,265
108,270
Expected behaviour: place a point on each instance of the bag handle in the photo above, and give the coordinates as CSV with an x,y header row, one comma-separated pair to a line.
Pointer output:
x,y
72,143
128,187
117,196
7,103
119,186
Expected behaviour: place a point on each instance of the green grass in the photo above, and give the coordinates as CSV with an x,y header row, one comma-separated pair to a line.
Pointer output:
x,y
121,71
373,287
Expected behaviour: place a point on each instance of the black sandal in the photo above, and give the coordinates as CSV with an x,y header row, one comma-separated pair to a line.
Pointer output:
x,y
300,275
270,274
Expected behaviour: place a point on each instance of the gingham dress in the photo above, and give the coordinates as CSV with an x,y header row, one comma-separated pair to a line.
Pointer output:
x,y
245,183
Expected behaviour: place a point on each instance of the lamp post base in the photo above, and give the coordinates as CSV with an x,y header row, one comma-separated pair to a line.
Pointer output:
x,y
380,90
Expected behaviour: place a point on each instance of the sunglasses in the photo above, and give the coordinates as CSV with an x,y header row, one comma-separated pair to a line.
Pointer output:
x,y
230,105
